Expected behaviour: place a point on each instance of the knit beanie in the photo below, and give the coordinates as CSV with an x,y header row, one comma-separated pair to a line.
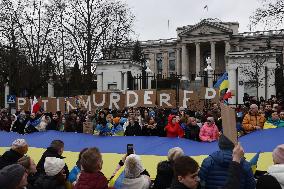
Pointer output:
x,y
133,166
278,154
225,143
116,120
174,153
11,176
53,165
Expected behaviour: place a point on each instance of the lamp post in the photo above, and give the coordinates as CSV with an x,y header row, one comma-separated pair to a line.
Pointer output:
x,y
209,71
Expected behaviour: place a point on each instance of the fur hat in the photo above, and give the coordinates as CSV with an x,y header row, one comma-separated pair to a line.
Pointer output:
x,y
174,153
53,165
225,144
11,176
278,154
133,166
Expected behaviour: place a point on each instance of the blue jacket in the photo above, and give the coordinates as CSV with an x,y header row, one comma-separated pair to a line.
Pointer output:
x,y
214,171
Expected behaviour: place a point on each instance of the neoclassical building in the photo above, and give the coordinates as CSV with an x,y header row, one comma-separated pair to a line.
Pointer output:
x,y
243,55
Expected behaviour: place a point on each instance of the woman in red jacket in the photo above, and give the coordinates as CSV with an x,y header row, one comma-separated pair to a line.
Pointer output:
x,y
173,128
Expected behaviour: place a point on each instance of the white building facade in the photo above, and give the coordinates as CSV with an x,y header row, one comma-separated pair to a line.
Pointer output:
x,y
229,51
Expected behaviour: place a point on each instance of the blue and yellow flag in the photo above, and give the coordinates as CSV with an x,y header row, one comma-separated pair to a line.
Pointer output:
x,y
254,161
222,83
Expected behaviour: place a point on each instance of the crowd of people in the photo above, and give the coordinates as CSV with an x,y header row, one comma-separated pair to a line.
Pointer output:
x,y
203,125
225,168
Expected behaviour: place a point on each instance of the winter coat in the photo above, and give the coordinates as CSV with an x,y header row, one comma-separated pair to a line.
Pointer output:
x,y
95,180
9,157
277,123
133,130
47,182
192,132
276,171
5,125
149,131
50,152
173,130
141,182
208,133
53,125
250,121
31,125
19,126
164,176
214,171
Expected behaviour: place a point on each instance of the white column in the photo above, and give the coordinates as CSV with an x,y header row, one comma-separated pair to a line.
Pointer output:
x,y
232,76
99,82
210,78
227,49
125,81
213,54
197,64
185,64
178,59
50,88
241,85
271,90
7,91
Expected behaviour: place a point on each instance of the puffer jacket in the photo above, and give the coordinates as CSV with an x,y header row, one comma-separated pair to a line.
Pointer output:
x,y
47,182
278,172
208,133
214,171
91,181
250,121
9,157
173,130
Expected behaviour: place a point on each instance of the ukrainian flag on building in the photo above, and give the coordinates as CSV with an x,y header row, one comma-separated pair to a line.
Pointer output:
x,y
222,84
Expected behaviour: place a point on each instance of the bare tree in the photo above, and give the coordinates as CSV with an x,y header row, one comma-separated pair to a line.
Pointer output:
x,y
93,25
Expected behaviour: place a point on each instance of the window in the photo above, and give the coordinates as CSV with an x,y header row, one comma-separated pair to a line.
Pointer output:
x,y
172,66
172,55
147,56
159,63
112,86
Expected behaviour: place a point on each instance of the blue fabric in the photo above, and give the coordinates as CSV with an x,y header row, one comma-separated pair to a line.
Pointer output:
x,y
34,123
73,174
119,181
221,79
144,145
214,171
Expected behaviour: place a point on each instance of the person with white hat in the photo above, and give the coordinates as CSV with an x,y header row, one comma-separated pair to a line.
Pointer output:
x,y
54,176
18,149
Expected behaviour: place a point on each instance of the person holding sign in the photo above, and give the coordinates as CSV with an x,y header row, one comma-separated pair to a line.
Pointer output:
x,y
253,120
209,131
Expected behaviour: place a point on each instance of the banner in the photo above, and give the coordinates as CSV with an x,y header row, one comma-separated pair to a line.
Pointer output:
x,y
118,100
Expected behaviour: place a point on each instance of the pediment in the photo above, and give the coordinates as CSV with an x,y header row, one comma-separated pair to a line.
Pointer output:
x,y
206,28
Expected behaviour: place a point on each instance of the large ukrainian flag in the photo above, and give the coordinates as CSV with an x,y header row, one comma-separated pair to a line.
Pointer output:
x,y
151,149
222,84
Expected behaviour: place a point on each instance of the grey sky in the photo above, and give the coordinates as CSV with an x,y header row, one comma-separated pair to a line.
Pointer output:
x,y
152,15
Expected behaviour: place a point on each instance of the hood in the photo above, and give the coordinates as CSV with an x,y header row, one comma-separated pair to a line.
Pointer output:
x,y
278,172
222,158
170,118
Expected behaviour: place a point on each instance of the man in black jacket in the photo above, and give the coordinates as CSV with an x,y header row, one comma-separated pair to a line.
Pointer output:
x,y
186,172
18,150
55,150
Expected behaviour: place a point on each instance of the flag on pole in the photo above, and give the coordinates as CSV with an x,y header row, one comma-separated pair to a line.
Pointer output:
x,y
35,105
227,95
222,83
206,7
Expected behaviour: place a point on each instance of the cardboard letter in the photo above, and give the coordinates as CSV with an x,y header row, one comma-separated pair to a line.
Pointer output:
x,y
57,105
165,100
185,98
21,102
99,104
229,123
44,104
128,104
147,97
207,93
87,104
114,99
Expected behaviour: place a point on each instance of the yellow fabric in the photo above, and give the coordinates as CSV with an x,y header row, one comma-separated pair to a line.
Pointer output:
x,y
150,162
269,126
224,85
